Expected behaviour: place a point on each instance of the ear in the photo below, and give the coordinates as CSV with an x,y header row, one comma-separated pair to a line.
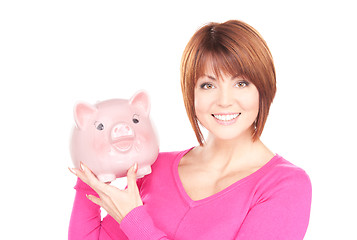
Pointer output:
x,y
83,113
141,101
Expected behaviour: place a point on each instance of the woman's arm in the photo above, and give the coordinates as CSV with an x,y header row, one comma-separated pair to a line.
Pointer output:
x,y
85,222
138,225
127,217
283,214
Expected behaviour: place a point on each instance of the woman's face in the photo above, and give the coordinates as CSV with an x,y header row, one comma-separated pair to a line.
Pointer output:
x,y
228,106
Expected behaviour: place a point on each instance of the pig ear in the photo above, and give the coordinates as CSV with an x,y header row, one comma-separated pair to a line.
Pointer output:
x,y
83,113
141,101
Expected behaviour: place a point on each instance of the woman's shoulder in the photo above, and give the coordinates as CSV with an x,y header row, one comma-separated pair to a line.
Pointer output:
x,y
285,184
287,168
171,155
281,173
168,157
164,164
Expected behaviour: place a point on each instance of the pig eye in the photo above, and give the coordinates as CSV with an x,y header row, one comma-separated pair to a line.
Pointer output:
x,y
99,126
135,119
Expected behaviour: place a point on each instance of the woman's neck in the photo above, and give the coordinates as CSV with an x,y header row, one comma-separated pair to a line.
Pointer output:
x,y
241,152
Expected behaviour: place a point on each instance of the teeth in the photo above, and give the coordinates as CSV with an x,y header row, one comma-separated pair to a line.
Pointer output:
x,y
226,117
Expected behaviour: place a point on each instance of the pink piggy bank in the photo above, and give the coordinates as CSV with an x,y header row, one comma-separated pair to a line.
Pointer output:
x,y
112,135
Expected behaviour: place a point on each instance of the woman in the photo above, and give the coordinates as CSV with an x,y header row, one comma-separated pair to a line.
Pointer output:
x,y
231,186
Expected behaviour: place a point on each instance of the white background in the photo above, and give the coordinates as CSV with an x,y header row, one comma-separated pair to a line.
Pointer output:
x,y
54,53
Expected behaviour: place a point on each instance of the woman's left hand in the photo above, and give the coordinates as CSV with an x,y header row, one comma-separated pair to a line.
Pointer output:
x,y
118,203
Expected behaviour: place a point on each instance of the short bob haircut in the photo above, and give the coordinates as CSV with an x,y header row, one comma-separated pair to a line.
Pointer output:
x,y
233,48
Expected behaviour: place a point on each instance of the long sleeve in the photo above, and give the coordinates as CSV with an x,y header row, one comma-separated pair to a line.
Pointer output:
x,y
282,214
138,225
86,223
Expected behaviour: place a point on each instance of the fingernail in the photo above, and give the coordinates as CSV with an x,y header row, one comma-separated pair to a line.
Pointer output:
x,y
72,170
82,166
135,167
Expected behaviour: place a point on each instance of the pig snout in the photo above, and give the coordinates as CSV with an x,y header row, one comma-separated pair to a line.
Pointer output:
x,y
122,137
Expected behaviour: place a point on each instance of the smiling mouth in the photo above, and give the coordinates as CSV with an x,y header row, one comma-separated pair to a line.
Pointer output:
x,y
226,117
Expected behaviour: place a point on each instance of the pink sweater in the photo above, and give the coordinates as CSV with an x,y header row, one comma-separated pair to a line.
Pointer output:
x,y
272,203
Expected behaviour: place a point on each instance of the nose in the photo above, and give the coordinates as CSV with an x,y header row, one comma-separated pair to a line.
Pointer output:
x,y
225,98
122,130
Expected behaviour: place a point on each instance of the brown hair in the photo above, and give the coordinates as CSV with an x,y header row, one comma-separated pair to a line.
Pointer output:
x,y
233,48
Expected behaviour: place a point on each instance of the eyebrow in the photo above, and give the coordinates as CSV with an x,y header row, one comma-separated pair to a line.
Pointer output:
x,y
210,77
232,78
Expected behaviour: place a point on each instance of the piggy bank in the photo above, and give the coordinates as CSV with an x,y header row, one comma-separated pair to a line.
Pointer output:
x,y
112,135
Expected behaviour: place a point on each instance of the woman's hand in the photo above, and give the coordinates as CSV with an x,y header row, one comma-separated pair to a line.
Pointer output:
x,y
118,203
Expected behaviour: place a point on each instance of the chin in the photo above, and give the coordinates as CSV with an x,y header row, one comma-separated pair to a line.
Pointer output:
x,y
228,136
231,134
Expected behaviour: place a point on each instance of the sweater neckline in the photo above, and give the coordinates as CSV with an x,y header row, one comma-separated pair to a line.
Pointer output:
x,y
193,203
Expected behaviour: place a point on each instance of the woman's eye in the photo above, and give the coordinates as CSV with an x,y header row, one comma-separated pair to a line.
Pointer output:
x,y
242,84
99,126
207,86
